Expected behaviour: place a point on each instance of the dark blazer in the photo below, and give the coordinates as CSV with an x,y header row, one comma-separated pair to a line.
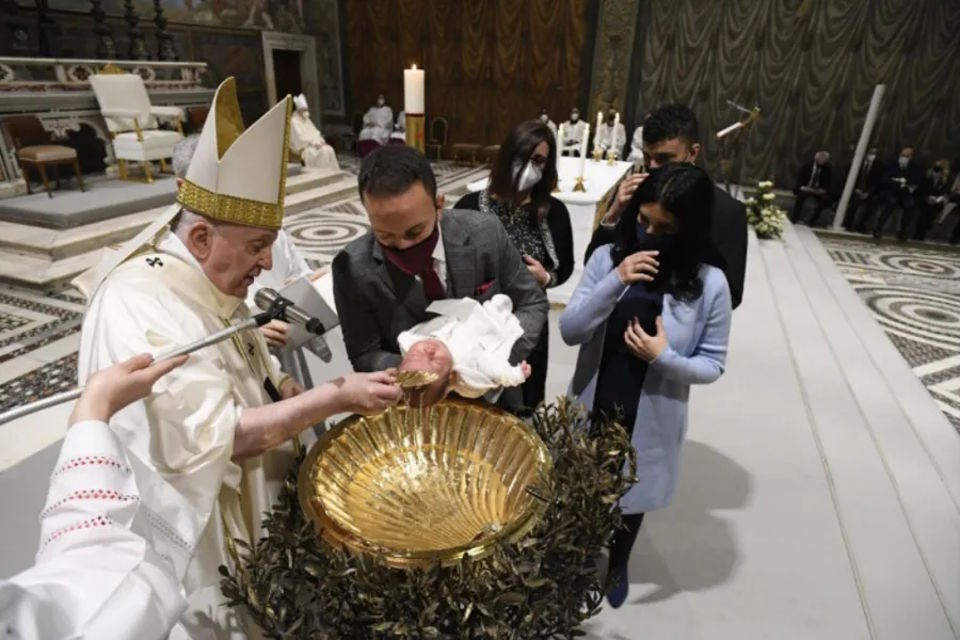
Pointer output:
x,y
728,230
558,220
913,175
824,178
873,177
376,301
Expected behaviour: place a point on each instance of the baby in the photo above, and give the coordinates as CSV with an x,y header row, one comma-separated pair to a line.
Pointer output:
x,y
468,346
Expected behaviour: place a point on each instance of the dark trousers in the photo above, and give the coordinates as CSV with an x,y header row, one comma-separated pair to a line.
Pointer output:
x,y
890,202
801,199
623,539
535,388
928,213
854,220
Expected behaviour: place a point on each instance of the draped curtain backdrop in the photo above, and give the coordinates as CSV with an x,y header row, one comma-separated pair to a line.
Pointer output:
x,y
811,66
489,63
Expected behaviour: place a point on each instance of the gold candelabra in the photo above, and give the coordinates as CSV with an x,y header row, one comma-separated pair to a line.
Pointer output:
x,y
611,157
597,155
579,186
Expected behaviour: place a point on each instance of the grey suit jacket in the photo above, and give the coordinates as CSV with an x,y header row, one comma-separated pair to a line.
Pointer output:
x,y
376,301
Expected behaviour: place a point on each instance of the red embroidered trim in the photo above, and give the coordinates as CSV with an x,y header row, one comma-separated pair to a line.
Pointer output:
x,y
90,494
90,461
92,523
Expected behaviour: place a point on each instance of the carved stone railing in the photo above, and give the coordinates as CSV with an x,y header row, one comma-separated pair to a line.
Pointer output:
x,y
42,74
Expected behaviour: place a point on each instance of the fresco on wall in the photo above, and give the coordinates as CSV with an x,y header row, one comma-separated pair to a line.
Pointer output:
x,y
269,15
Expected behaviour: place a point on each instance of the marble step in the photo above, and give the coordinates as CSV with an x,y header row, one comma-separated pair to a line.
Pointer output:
x,y
901,596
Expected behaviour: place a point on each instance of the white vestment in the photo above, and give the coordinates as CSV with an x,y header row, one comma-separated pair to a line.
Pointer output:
x,y
306,140
608,137
377,124
572,136
400,129
479,337
94,576
552,126
183,433
636,145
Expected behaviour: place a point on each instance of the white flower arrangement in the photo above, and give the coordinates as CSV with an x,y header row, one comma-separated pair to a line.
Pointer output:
x,y
764,216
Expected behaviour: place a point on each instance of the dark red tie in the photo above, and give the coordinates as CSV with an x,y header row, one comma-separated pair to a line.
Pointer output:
x,y
418,261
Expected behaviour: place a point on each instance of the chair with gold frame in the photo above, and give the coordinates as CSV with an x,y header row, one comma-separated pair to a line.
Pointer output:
x,y
134,122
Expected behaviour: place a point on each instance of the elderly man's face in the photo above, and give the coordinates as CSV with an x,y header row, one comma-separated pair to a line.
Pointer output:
x,y
231,255
429,355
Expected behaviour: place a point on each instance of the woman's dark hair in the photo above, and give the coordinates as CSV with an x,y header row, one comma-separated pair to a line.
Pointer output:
x,y
519,145
685,191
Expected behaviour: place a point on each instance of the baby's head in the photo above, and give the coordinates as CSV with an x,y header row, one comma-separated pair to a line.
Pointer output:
x,y
429,355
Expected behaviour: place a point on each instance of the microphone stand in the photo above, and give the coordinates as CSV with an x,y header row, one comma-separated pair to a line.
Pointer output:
x,y
737,150
275,312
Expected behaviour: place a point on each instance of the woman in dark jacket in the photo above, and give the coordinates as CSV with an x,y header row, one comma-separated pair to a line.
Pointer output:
x,y
521,181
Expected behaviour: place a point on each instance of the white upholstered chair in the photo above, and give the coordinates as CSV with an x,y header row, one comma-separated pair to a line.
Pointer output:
x,y
133,121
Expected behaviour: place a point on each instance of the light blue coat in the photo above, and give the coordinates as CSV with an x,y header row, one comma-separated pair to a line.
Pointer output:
x,y
697,332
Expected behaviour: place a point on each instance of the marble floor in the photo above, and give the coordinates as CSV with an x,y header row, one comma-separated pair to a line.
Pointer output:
x,y
819,490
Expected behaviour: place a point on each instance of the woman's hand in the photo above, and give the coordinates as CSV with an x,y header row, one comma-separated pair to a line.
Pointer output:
x,y
625,191
641,266
641,344
537,271
275,333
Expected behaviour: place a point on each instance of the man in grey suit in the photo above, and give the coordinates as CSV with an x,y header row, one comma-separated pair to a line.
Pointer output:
x,y
415,253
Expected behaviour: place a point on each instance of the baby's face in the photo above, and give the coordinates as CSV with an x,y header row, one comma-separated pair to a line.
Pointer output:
x,y
429,355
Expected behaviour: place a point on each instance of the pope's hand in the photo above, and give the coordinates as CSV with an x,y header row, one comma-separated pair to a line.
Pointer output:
x,y
275,332
112,389
367,393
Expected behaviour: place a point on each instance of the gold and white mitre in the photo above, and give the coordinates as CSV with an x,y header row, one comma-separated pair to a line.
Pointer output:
x,y
236,176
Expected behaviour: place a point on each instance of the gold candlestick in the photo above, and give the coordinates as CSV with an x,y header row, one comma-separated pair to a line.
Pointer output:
x,y
597,155
611,157
579,186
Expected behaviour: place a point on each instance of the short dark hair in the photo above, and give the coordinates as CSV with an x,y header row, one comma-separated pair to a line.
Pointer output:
x,y
393,169
671,121
519,145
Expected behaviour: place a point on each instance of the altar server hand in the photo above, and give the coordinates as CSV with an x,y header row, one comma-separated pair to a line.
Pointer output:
x,y
112,389
537,271
275,332
641,266
641,344
367,393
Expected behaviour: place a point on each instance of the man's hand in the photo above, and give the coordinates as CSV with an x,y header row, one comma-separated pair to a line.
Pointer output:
x,y
275,333
537,271
641,266
644,346
625,191
367,393
112,389
290,388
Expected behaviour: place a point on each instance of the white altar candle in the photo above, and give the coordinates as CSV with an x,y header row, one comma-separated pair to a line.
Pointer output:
x,y
583,149
413,91
599,119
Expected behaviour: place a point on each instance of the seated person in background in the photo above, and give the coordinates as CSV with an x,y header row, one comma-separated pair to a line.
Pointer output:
x,y
94,576
573,130
934,195
377,122
898,190
611,135
865,192
545,119
416,253
306,140
400,129
468,345
636,145
813,182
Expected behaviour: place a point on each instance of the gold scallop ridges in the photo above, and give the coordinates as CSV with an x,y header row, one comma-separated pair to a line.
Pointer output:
x,y
420,486
414,379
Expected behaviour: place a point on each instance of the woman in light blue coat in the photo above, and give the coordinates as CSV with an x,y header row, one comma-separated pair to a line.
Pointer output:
x,y
652,318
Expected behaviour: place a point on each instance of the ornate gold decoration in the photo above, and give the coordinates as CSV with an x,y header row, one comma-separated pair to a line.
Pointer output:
x,y
597,155
231,209
414,379
111,69
425,486
415,132
611,157
229,121
579,186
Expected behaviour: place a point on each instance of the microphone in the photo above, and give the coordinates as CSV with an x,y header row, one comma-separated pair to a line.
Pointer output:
x,y
283,309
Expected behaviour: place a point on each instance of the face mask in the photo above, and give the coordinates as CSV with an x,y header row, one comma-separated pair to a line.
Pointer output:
x,y
574,117
529,178
544,118
665,243
417,258
871,157
904,161
381,102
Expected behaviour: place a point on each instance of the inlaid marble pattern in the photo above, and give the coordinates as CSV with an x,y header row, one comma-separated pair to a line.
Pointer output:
x,y
914,293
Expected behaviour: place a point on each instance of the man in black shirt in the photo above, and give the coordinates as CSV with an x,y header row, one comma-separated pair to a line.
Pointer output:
x,y
671,134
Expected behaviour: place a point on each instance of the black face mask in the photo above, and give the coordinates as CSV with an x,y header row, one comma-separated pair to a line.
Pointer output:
x,y
666,245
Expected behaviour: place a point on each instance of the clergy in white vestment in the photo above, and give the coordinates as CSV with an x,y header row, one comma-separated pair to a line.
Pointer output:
x,y
377,122
400,128
545,119
636,146
306,140
209,430
95,576
468,345
610,135
573,130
